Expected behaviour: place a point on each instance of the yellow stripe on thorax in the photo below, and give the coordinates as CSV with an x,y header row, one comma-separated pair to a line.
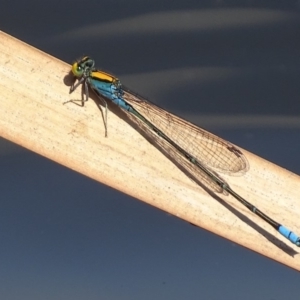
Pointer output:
x,y
102,76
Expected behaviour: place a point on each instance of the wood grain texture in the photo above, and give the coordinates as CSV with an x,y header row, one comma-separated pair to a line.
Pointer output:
x,y
34,87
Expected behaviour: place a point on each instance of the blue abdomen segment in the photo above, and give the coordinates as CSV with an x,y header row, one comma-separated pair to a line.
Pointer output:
x,y
289,235
110,91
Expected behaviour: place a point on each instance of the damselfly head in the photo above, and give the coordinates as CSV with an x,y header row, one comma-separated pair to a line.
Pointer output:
x,y
83,67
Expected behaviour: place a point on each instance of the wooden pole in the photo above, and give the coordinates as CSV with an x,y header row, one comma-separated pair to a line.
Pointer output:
x,y
33,88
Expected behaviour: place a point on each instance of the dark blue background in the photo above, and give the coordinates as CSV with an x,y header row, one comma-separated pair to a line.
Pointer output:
x,y
64,236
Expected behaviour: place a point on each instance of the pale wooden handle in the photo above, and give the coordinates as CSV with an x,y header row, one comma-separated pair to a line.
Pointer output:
x,y
34,87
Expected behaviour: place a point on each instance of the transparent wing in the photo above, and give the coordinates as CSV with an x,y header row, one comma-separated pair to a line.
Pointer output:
x,y
190,169
207,148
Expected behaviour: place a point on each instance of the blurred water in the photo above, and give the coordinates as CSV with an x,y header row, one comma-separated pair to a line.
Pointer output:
x,y
231,68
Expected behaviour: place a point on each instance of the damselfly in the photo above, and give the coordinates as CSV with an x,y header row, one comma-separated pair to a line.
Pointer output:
x,y
198,151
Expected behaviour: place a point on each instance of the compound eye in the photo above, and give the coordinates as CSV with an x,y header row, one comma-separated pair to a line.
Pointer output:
x,y
90,64
77,70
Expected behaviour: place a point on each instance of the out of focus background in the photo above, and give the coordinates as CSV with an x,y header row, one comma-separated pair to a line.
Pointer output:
x,y
229,67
